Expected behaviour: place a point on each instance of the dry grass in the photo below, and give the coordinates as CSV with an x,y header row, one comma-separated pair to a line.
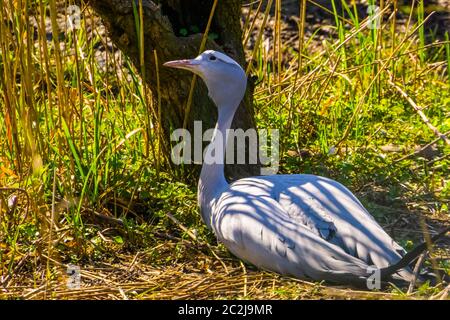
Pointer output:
x,y
177,268
131,278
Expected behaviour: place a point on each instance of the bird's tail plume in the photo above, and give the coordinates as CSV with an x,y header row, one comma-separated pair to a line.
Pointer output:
x,y
387,272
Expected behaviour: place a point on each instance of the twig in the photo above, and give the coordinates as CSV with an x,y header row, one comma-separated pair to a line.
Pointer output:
x,y
412,255
177,222
31,293
429,242
245,278
416,272
4,281
190,234
421,114
438,159
442,295
416,152
445,293
122,293
111,220
133,262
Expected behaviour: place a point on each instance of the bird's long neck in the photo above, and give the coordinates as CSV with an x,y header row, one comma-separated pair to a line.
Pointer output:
x,y
212,178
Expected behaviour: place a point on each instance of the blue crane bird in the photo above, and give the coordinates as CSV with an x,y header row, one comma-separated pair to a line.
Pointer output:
x,y
301,225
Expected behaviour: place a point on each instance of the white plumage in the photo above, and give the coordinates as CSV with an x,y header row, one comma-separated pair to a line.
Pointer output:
x,y
301,225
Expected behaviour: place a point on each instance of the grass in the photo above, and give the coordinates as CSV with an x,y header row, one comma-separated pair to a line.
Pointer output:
x,y
84,181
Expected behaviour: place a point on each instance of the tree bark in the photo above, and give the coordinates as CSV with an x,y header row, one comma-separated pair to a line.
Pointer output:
x,y
162,25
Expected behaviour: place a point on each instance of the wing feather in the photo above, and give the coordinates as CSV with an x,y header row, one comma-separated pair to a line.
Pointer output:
x,y
314,224
257,229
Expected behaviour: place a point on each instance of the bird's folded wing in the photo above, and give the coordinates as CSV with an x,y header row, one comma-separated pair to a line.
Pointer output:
x,y
333,212
258,230
310,213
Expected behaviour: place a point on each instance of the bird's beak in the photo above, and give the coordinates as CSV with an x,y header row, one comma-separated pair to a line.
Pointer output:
x,y
187,64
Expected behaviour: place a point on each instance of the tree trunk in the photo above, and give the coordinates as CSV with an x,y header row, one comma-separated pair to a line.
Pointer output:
x,y
163,23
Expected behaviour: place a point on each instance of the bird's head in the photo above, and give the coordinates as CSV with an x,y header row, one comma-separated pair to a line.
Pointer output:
x,y
224,77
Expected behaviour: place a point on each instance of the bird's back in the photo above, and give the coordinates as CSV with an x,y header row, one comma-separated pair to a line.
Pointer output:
x,y
302,225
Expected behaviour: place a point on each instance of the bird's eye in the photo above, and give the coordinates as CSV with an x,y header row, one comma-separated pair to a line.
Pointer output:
x,y
212,58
